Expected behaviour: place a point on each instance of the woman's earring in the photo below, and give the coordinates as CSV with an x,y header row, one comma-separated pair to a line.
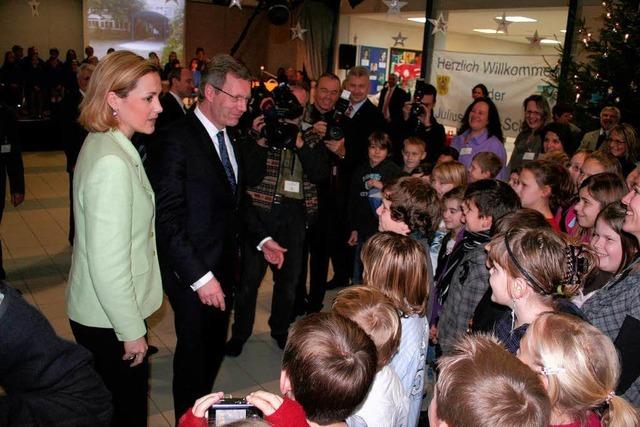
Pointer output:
x,y
114,113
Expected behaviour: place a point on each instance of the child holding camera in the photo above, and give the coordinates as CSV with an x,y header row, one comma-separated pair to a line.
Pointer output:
x,y
320,386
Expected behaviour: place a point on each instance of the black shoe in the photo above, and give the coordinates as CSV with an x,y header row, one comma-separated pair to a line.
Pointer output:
x,y
151,350
233,348
334,284
281,340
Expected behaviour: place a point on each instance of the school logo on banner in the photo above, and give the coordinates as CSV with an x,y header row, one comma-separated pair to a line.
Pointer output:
x,y
443,84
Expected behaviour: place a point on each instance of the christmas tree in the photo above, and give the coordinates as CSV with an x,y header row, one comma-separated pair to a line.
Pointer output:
x,y
610,75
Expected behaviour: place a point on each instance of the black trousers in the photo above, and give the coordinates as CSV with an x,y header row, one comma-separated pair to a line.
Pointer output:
x,y
201,333
286,224
129,386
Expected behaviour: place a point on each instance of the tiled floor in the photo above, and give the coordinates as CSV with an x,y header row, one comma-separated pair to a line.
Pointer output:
x,y
37,258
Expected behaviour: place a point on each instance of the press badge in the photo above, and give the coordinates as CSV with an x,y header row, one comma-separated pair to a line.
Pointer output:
x,y
529,156
291,186
465,151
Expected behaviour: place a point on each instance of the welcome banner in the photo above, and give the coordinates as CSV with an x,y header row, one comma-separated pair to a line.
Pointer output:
x,y
509,79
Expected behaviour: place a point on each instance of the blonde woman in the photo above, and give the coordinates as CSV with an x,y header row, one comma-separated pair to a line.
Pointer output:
x,y
579,367
114,282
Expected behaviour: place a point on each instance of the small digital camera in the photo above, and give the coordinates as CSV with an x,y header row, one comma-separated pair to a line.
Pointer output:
x,y
229,410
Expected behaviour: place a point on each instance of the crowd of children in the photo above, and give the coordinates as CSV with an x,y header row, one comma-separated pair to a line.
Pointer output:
x,y
519,298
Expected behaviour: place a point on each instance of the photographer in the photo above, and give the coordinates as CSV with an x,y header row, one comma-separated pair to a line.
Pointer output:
x,y
420,121
290,159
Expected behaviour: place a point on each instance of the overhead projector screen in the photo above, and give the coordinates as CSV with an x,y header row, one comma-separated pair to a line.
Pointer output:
x,y
141,26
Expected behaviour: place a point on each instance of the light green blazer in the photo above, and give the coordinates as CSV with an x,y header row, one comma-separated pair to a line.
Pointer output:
x,y
114,280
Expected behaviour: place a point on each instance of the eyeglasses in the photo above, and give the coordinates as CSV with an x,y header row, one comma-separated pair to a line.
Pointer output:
x,y
236,98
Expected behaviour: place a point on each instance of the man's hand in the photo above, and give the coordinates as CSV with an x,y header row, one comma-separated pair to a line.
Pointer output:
x,y
135,351
201,406
374,183
267,402
336,147
258,123
353,238
433,333
406,110
320,128
17,199
211,294
273,253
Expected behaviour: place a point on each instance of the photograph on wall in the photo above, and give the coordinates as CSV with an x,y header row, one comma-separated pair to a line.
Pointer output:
x,y
141,26
375,59
406,64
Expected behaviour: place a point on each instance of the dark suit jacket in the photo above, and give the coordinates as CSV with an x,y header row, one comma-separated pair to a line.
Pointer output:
x,y
398,98
199,219
357,130
171,111
73,134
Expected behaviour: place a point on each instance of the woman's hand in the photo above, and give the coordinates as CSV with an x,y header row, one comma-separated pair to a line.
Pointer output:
x,y
135,351
353,238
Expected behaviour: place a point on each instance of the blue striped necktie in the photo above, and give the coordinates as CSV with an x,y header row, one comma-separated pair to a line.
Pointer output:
x,y
226,162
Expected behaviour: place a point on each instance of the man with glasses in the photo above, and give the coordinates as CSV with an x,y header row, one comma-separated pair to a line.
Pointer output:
x,y
196,172
609,117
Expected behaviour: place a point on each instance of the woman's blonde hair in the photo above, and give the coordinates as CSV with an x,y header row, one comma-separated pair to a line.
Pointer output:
x,y
451,172
118,72
581,366
397,266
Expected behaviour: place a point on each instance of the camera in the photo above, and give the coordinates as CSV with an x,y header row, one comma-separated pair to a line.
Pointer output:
x,y
417,109
277,106
334,127
229,410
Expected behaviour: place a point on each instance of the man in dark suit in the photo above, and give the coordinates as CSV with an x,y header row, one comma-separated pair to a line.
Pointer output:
x,y
10,164
196,173
392,99
180,86
73,134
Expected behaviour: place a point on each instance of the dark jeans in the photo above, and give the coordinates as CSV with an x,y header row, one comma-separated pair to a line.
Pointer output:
x,y
128,386
286,224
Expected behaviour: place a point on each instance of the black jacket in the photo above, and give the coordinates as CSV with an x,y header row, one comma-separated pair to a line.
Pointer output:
x,y
171,111
199,218
48,381
10,163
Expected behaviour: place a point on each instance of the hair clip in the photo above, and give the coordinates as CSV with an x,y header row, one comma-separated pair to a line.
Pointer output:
x,y
549,370
609,397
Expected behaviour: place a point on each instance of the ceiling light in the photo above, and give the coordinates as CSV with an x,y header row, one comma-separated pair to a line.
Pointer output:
x,y
420,20
563,31
549,41
518,19
487,31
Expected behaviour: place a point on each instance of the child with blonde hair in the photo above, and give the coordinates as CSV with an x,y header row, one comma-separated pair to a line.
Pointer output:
x,y
397,266
447,176
579,367
531,272
386,403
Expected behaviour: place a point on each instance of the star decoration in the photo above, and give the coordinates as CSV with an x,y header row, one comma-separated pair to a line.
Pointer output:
x,y
535,39
394,6
34,7
297,32
399,40
439,25
235,3
503,24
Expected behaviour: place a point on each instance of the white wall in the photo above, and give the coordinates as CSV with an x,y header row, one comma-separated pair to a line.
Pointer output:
x,y
59,24
457,42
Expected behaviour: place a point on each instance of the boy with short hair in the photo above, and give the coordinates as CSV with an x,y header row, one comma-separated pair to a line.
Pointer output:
x,y
485,201
485,165
481,384
414,151
328,366
387,402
